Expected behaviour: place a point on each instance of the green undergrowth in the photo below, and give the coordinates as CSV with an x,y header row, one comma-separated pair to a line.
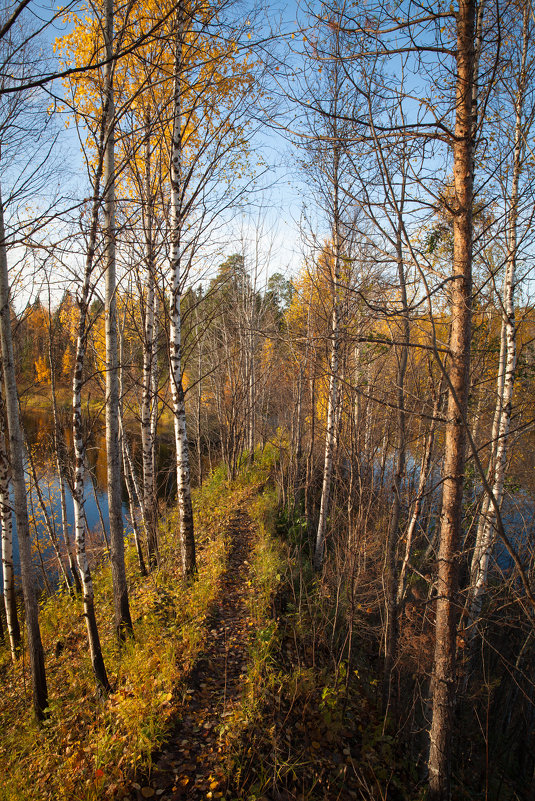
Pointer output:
x,y
88,748
309,726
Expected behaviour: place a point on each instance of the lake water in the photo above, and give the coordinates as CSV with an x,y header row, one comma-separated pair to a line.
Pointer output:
x,y
518,508
39,434
517,511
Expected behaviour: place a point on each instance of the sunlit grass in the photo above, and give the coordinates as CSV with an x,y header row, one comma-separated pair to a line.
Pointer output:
x,y
88,747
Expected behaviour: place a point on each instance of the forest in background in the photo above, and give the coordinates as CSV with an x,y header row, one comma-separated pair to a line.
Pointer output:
x,y
377,403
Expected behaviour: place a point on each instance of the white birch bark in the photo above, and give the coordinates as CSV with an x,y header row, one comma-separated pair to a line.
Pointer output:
x,y
298,419
154,407
95,650
506,369
357,403
390,572
59,471
132,497
147,439
149,357
8,576
331,432
310,450
16,449
251,396
250,371
128,469
186,532
123,620
367,420
330,445
199,334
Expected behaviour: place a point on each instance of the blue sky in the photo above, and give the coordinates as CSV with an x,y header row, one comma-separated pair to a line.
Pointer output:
x,y
279,197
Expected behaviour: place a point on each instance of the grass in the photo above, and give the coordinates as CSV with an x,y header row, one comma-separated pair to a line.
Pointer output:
x,y
309,726
89,748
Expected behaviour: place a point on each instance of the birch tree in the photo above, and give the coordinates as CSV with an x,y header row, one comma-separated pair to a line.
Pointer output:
x,y
84,299
186,533
202,121
123,620
58,447
134,494
331,430
507,357
149,402
326,170
207,139
16,449
8,573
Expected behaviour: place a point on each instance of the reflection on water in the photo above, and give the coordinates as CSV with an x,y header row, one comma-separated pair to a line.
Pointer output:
x,y
518,510
38,427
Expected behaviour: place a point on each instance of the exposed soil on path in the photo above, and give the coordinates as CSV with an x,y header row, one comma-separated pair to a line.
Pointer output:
x,y
190,766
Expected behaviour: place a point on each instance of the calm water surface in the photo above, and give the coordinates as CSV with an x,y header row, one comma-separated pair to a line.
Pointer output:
x,y
39,435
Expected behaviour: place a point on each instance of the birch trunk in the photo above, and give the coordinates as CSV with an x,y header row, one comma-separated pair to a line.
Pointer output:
x,y
330,446
298,419
251,401
94,486
16,449
128,470
186,532
250,372
95,650
331,433
123,621
354,454
506,370
10,598
391,635
59,471
154,407
199,404
485,503
367,421
149,356
444,668
130,486
309,506
357,403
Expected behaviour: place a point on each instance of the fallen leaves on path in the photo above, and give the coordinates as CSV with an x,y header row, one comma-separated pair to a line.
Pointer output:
x,y
192,763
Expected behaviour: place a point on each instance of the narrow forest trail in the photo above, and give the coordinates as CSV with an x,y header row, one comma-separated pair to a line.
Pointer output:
x,y
190,764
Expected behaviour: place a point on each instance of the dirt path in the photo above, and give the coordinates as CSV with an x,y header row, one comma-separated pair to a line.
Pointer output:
x,y
190,764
